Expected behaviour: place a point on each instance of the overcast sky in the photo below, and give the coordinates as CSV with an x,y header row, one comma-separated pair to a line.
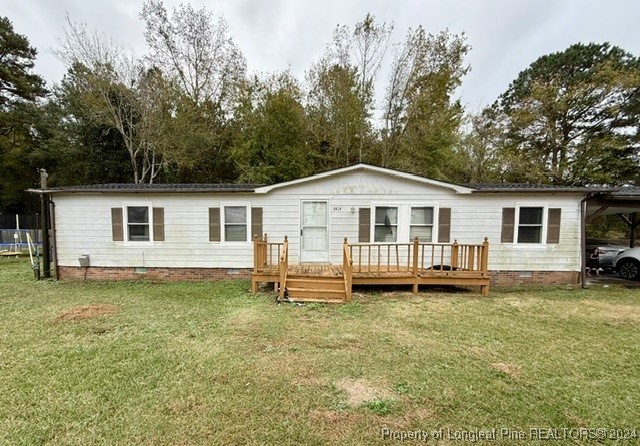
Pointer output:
x,y
506,36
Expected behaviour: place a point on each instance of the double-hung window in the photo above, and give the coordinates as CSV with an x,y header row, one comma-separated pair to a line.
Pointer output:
x,y
235,223
386,224
421,224
138,224
530,221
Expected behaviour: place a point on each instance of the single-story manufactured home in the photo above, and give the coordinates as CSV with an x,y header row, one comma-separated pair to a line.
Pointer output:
x,y
391,221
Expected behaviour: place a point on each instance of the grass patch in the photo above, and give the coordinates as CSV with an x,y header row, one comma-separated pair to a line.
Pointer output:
x,y
209,363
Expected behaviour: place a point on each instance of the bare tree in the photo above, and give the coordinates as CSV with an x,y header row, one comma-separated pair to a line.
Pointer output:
x,y
421,116
195,49
117,90
359,51
371,42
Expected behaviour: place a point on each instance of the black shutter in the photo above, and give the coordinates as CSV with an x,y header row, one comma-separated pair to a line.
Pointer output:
x,y
117,231
158,224
364,225
214,224
256,222
508,225
553,226
444,225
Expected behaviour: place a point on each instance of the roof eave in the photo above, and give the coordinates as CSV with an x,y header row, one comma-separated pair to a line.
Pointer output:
x,y
137,191
394,173
528,191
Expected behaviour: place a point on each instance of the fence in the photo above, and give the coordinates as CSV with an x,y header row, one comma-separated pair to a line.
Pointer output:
x,y
14,229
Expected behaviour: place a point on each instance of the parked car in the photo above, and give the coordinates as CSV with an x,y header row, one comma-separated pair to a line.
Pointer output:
x,y
607,254
627,264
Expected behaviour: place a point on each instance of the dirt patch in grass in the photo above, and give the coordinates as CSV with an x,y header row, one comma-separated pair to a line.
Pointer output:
x,y
190,405
318,321
480,352
508,369
348,342
612,311
244,318
86,312
304,381
416,417
306,377
360,391
247,323
520,303
340,427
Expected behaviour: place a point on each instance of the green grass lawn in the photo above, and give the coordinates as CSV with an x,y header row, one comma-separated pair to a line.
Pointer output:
x,y
209,363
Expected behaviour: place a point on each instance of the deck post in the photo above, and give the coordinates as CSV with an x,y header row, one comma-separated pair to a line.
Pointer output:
x,y
416,248
347,270
485,255
484,289
254,283
284,266
455,252
255,253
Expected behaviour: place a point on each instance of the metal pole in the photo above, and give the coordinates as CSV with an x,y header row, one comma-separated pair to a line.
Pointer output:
x,y
44,223
583,240
54,246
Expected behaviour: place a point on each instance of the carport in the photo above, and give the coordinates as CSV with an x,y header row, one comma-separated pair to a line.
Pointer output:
x,y
622,201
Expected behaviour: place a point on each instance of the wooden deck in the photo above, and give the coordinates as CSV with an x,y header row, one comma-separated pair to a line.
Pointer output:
x,y
312,269
412,264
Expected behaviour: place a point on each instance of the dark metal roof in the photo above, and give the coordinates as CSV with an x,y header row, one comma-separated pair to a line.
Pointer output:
x,y
525,187
621,192
150,188
627,191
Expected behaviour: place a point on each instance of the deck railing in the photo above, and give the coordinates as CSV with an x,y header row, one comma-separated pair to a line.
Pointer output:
x,y
266,254
470,257
381,257
284,267
399,263
416,257
347,269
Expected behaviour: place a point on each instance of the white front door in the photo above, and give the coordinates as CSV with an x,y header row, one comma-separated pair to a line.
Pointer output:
x,y
314,231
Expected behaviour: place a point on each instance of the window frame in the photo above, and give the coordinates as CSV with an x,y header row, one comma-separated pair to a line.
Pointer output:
x,y
223,222
403,226
125,223
432,225
375,207
543,224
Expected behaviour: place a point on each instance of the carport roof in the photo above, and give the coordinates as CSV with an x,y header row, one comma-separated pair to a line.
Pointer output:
x,y
619,200
627,191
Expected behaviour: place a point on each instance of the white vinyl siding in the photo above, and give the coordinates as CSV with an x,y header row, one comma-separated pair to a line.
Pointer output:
x,y
83,223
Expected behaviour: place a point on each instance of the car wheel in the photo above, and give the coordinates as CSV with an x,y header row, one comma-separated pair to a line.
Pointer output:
x,y
629,269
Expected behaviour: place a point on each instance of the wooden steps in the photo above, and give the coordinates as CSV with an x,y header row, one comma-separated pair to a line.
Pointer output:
x,y
316,289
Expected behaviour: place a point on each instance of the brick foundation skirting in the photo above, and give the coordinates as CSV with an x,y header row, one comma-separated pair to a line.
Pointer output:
x,y
511,278
498,278
155,274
